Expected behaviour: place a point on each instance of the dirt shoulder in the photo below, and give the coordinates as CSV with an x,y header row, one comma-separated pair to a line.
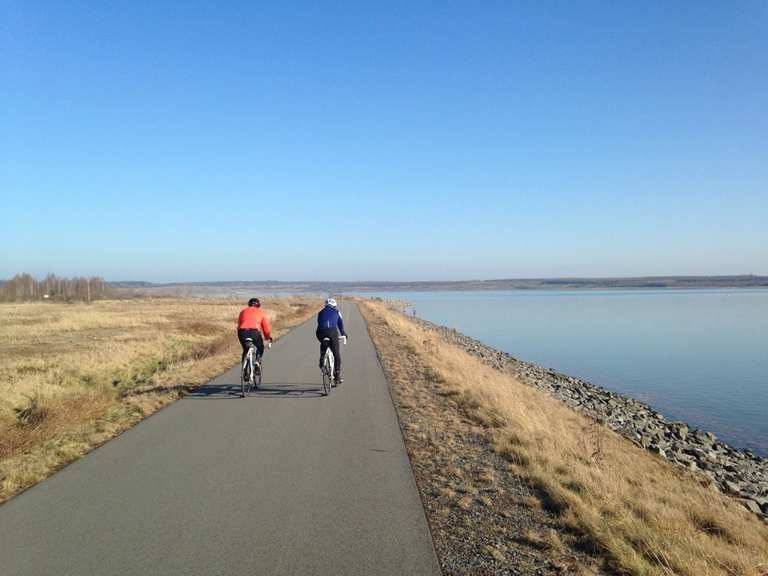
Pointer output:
x,y
72,376
514,482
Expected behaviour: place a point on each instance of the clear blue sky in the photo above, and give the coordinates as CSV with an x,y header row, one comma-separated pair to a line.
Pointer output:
x,y
174,141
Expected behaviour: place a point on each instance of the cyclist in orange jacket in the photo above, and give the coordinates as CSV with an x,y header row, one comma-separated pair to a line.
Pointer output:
x,y
252,323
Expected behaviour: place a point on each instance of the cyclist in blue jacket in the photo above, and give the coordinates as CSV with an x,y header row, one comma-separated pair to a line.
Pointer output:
x,y
329,325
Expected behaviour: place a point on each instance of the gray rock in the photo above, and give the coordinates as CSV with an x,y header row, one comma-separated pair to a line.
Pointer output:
x,y
762,502
751,505
680,430
658,451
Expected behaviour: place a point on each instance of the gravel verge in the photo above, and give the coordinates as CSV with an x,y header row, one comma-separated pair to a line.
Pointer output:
x,y
484,519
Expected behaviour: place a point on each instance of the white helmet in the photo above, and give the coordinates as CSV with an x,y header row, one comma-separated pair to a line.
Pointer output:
x,y
330,302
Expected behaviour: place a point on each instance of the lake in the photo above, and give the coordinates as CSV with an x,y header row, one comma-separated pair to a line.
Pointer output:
x,y
695,355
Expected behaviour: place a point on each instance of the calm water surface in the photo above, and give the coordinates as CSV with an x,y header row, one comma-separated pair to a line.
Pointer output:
x,y
695,355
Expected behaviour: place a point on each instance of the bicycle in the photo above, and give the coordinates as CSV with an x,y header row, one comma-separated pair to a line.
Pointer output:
x,y
250,375
328,367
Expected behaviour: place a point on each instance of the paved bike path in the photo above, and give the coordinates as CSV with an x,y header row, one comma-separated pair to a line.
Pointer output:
x,y
283,482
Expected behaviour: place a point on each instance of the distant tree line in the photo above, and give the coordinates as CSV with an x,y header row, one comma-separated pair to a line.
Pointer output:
x,y
25,288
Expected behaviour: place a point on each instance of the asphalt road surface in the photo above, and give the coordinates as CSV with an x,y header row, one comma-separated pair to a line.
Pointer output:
x,y
283,482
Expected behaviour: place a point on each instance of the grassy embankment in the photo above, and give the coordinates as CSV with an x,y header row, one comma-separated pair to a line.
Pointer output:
x,y
643,515
73,376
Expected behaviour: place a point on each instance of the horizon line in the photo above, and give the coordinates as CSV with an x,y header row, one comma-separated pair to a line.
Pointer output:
x,y
460,281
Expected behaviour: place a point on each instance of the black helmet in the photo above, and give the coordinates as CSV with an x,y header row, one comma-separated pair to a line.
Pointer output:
x,y
254,302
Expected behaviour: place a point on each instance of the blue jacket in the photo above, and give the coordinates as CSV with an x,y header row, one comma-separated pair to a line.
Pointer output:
x,y
329,317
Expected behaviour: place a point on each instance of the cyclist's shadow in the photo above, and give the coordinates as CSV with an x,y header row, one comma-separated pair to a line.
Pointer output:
x,y
227,390
288,390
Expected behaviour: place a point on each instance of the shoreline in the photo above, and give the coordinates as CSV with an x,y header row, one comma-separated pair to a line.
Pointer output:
x,y
515,481
738,473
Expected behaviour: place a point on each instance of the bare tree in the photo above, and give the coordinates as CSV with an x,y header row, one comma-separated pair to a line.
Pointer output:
x,y
24,288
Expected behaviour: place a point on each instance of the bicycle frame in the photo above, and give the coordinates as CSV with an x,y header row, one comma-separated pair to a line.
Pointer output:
x,y
329,360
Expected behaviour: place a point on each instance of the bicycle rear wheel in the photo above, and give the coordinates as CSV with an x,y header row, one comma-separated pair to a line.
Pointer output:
x,y
327,378
245,377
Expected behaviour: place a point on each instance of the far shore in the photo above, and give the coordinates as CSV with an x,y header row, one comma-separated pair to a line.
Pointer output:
x,y
220,289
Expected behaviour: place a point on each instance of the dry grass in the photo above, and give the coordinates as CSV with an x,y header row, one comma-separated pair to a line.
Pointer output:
x,y
476,508
73,376
644,515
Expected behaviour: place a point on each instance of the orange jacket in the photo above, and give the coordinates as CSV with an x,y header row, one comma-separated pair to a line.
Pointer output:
x,y
254,318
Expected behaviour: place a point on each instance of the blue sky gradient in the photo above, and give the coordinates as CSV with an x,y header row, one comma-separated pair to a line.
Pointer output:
x,y
387,141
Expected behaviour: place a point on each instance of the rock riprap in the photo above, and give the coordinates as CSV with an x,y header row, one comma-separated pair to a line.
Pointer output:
x,y
738,473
